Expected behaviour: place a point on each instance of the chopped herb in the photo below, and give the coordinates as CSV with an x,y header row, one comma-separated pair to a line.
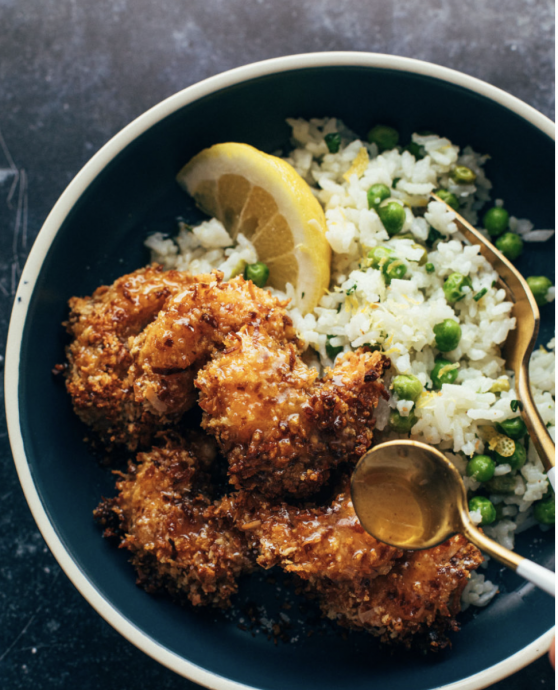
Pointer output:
x,y
183,225
332,351
351,290
516,405
395,181
433,236
480,294
493,283
333,141
303,295
416,150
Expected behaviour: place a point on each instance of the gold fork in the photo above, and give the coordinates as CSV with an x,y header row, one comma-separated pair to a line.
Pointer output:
x,y
521,341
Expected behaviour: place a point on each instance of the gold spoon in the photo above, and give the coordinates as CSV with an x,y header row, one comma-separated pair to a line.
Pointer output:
x,y
521,341
409,495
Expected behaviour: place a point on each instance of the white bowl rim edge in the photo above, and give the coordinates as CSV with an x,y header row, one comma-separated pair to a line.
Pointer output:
x,y
33,266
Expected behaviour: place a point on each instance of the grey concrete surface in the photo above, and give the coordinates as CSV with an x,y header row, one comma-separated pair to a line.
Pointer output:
x,y
73,73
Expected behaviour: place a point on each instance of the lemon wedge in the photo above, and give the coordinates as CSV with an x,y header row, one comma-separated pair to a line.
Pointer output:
x,y
266,200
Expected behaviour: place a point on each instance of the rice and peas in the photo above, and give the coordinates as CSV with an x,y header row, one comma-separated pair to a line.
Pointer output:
x,y
396,311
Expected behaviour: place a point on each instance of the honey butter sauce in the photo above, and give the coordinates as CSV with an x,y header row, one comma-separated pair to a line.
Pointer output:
x,y
402,500
392,512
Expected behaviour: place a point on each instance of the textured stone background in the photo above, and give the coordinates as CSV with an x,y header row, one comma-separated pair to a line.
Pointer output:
x,y
74,72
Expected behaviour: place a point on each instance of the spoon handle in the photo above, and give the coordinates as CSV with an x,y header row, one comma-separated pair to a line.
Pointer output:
x,y
537,574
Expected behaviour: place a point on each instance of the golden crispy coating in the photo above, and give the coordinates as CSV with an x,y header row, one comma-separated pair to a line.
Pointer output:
x,y
193,323
315,543
281,428
359,582
420,596
138,348
98,374
170,525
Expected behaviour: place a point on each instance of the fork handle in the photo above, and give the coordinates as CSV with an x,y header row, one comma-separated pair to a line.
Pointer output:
x,y
535,426
551,474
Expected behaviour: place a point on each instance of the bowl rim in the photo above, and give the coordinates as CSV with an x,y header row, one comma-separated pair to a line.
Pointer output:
x,y
34,264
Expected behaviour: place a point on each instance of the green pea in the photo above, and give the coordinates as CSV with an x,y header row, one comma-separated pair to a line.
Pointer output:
x,y
394,268
376,194
539,287
449,197
544,511
415,150
393,217
379,256
384,137
510,244
402,424
258,273
481,468
514,428
333,141
407,387
463,175
485,507
448,335
430,268
332,351
516,461
496,220
504,484
453,287
444,371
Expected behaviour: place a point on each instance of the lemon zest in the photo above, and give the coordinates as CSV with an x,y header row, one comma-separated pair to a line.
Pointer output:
x,y
448,367
424,398
501,385
359,165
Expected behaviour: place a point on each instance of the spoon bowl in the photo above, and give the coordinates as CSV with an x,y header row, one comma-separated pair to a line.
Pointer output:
x,y
409,495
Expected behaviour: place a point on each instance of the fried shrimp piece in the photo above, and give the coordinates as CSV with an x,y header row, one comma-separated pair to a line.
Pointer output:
x,y
281,427
98,373
195,322
166,518
359,582
419,597
314,543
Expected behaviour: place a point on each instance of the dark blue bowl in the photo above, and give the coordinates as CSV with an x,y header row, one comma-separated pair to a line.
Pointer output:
x,y
95,233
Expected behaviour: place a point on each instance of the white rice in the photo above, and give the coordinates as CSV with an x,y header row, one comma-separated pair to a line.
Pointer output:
x,y
361,309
